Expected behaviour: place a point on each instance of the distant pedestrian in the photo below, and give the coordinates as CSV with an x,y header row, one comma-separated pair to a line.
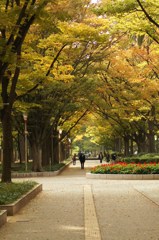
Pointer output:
x,y
82,159
108,157
74,159
113,156
100,157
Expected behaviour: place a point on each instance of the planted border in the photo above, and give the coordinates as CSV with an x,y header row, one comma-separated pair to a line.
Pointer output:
x,y
17,205
124,168
123,176
131,171
39,174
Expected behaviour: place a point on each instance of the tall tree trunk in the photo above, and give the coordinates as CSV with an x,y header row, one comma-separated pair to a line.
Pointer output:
x,y
126,146
7,144
131,147
46,152
151,138
19,149
140,139
151,142
117,144
55,148
141,145
37,157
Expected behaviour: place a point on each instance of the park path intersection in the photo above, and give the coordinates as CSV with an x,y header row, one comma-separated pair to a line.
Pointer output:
x,y
72,207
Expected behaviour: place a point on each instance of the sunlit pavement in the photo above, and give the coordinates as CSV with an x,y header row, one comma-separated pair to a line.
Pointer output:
x,y
72,207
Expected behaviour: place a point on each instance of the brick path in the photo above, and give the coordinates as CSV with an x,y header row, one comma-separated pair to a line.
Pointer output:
x,y
72,207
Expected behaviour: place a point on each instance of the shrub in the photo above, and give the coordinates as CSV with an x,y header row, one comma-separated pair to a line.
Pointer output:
x,y
144,158
124,168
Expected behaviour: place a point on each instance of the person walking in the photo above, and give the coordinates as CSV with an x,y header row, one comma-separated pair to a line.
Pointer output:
x,y
100,157
82,159
114,157
74,159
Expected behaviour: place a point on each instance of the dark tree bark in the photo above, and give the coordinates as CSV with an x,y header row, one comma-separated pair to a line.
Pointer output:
x,y
7,144
126,146
55,148
46,152
37,156
9,79
140,139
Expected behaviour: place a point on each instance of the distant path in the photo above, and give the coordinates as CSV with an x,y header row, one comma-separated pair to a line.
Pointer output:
x,y
72,207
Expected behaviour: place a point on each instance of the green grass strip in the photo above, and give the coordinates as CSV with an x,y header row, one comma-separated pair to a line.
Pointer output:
x,y
10,192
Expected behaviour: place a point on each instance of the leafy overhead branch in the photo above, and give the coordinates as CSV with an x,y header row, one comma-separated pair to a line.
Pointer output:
x,y
47,74
66,134
147,15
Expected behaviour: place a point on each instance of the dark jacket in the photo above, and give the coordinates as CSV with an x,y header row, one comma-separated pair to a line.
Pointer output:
x,y
82,157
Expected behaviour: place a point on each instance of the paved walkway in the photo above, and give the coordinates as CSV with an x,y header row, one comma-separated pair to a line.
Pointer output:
x,y
71,207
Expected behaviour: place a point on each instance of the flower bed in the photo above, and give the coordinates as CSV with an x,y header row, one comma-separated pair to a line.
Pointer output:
x,y
124,168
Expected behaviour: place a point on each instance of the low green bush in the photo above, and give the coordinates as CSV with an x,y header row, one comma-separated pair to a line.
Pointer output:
x,y
10,192
144,158
124,168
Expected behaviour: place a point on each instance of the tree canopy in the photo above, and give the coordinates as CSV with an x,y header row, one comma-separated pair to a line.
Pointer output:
x,y
91,67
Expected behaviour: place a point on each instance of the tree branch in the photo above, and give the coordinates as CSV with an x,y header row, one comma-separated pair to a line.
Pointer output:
x,y
48,72
147,15
66,134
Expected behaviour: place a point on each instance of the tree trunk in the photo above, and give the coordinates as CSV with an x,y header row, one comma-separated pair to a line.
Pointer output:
x,y
140,139
20,152
7,144
46,152
150,136
141,145
118,144
37,157
131,147
126,146
55,149
151,142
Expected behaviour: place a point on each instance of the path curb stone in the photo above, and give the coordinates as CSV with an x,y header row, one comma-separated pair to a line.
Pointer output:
x,y
3,217
123,176
39,174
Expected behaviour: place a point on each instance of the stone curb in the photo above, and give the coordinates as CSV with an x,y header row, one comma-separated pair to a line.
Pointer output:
x,y
3,217
39,174
123,176
17,205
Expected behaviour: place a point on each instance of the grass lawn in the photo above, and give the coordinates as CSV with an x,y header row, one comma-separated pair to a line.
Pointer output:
x,y
10,192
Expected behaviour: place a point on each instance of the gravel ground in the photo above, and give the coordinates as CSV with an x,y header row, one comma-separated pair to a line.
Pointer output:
x,y
125,210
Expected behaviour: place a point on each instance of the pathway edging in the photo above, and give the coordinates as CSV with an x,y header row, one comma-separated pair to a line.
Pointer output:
x,y
3,217
123,176
39,174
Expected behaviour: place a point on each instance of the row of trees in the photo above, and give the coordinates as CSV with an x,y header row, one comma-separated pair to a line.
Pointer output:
x,y
128,96
47,56
59,64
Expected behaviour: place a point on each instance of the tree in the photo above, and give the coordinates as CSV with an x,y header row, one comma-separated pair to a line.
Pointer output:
x,y
18,18
70,76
